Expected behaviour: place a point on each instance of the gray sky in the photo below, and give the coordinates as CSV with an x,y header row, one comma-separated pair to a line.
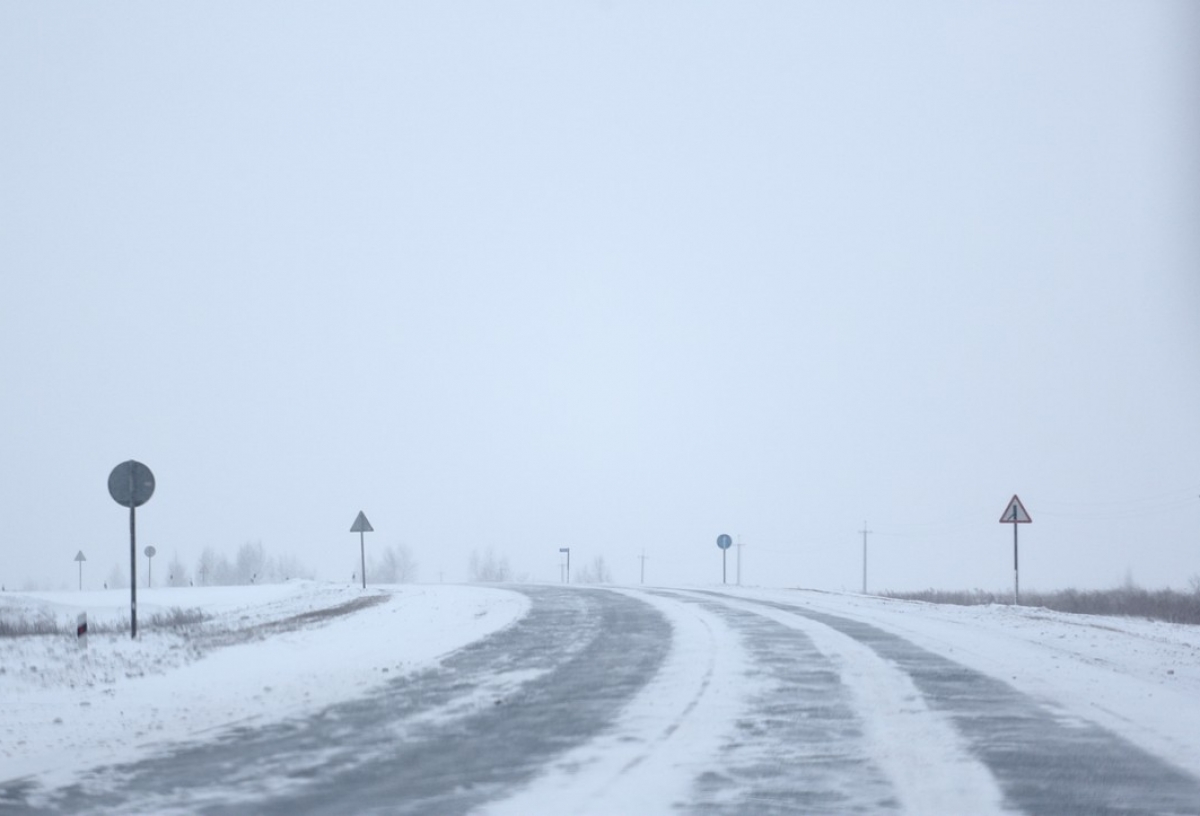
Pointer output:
x,y
614,276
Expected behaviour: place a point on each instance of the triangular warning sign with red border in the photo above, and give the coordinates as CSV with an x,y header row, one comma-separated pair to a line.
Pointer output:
x,y
1015,513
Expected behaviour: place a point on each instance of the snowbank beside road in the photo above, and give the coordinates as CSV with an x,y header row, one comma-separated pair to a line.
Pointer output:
x,y
265,653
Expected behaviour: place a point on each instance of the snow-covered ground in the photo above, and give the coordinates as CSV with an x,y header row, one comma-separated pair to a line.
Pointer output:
x,y
265,653
1136,677
272,652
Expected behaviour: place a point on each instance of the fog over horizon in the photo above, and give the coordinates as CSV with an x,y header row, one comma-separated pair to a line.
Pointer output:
x,y
609,277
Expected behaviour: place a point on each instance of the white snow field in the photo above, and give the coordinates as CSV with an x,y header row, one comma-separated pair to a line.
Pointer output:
x,y
268,653
64,709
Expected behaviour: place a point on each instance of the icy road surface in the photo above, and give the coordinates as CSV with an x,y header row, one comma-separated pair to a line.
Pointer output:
x,y
549,699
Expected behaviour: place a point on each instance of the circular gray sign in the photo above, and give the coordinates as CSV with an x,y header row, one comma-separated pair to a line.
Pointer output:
x,y
131,484
150,551
724,541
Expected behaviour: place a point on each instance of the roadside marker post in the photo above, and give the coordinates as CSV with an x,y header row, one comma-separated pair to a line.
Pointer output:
x,y
1016,514
81,630
724,542
567,550
361,525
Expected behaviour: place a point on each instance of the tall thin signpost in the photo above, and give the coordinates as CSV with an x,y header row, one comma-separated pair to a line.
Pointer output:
x,y
150,552
567,550
1016,514
80,558
131,484
361,525
865,532
724,542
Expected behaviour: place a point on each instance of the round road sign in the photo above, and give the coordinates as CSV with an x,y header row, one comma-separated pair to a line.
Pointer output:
x,y
724,541
150,552
131,484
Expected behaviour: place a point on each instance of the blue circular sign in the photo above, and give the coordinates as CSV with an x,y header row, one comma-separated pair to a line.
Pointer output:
x,y
724,541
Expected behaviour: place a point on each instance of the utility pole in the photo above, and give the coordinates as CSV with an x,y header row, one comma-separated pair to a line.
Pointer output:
x,y
865,532
643,558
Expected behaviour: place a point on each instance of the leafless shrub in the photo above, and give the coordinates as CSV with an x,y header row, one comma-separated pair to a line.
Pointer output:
x,y
17,625
1128,601
43,623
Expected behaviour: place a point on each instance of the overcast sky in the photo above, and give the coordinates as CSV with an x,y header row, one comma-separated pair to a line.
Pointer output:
x,y
614,276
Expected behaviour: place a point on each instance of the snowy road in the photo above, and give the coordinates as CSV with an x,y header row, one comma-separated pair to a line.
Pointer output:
x,y
686,701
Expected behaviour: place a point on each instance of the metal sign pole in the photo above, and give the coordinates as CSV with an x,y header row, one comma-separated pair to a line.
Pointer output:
x,y
1016,572
132,565
724,553
1016,514
362,552
131,484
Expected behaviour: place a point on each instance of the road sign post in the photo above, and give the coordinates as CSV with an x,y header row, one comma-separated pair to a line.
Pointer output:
x,y
150,552
131,484
1015,514
567,550
361,525
724,542
80,558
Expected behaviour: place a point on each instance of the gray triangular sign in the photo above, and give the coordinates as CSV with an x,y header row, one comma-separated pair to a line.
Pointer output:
x,y
361,525
1015,513
80,557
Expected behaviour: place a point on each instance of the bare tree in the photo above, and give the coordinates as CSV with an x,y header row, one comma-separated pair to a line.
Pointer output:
x,y
595,573
251,563
489,568
395,565
177,573
116,578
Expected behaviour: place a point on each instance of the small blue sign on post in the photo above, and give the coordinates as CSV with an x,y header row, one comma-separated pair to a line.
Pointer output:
x,y
724,542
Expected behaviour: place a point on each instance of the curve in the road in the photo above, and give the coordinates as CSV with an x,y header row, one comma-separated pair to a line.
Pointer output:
x,y
442,741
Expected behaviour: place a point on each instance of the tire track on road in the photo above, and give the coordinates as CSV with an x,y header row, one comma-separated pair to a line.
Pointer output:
x,y
1045,764
801,748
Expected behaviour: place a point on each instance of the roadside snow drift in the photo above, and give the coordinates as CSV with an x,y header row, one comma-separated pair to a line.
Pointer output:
x,y
262,653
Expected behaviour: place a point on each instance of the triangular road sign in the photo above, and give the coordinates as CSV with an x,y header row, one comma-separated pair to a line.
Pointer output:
x,y
361,525
81,558
1015,513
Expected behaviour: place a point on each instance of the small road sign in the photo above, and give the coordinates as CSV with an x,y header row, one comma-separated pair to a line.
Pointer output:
x,y
567,550
361,525
80,558
150,552
1015,514
131,484
724,542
